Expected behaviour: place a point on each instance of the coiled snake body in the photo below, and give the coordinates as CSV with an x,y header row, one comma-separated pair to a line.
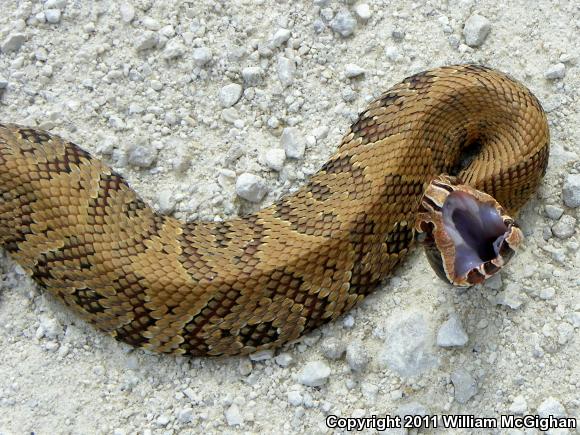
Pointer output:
x,y
255,282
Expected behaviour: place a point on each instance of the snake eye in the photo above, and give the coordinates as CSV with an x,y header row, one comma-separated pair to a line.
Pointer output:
x,y
509,222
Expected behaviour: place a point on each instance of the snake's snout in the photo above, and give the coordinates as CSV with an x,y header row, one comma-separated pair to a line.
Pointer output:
x,y
465,233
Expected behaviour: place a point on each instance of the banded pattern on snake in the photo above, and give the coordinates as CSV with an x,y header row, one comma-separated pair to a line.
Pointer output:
x,y
258,281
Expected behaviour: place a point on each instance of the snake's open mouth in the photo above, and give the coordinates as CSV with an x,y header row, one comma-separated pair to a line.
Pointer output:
x,y
466,235
476,229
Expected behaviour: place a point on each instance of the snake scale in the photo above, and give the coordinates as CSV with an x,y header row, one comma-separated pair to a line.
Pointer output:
x,y
258,281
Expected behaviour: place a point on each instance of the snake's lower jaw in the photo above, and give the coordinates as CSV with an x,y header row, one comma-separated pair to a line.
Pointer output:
x,y
466,234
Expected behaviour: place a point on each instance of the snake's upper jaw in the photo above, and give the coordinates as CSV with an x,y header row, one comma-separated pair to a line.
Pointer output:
x,y
466,234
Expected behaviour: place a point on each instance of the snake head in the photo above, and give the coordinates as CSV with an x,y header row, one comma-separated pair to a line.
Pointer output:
x,y
465,233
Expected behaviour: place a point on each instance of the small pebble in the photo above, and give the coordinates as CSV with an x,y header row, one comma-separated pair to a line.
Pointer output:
x,y
233,416
348,94
201,56
280,37
191,395
41,18
510,297
565,332
554,212
519,405
245,367
230,94
49,328
476,30
132,363
465,385
565,227
547,293
273,122
320,132
3,83
552,407
295,398
363,11
454,41
318,26
398,35
494,282
162,421
13,42
151,24
343,24
185,415
451,333
356,356
333,348
348,321
314,374
146,40
127,12
284,359
99,370
55,4
408,349
275,158
234,153
252,75
262,355
230,115
251,187
293,142
351,70
411,408
574,318
326,13
116,122
571,191
51,346
286,70
141,156
392,53
173,49
182,160
556,71
369,391
156,85
52,15
165,201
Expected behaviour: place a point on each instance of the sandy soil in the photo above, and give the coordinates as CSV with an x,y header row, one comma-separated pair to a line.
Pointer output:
x,y
138,84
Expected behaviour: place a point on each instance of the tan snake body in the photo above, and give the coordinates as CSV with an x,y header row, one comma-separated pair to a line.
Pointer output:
x,y
256,282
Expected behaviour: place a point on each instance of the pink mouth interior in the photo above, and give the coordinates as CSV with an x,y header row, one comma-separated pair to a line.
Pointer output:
x,y
476,229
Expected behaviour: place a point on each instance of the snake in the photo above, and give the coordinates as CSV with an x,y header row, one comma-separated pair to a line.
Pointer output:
x,y
445,156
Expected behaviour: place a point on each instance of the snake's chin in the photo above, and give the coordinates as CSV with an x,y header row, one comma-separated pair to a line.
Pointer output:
x,y
466,234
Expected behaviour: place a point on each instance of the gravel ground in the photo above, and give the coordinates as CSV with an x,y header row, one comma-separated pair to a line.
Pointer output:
x,y
216,108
